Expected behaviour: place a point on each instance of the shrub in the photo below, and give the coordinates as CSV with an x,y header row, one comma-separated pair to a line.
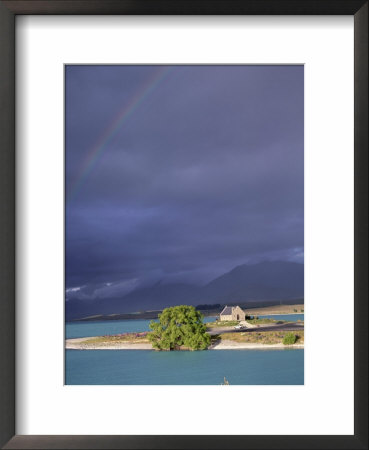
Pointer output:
x,y
289,339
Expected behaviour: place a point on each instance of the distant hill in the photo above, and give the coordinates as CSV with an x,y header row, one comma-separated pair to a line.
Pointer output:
x,y
264,281
162,295
155,297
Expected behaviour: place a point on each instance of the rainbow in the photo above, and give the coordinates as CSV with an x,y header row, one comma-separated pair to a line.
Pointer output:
x,y
119,120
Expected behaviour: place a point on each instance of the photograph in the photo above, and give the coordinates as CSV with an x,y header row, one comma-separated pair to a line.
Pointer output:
x,y
184,224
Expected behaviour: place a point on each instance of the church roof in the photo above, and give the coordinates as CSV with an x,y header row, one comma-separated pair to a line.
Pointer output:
x,y
227,311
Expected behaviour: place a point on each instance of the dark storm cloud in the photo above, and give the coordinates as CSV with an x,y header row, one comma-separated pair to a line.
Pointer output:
x,y
205,174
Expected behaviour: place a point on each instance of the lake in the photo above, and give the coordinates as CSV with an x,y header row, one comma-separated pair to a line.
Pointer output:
x,y
209,367
101,328
130,367
288,317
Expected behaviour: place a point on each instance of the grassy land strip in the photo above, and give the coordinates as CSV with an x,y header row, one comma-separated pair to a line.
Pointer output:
x,y
263,337
222,323
264,321
125,338
276,309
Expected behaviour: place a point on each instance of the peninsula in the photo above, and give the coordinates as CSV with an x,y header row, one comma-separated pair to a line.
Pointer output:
x,y
225,334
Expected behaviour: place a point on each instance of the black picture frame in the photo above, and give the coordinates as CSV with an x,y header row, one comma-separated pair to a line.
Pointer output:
x,y
8,11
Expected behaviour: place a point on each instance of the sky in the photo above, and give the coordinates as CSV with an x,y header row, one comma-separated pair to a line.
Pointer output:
x,y
180,173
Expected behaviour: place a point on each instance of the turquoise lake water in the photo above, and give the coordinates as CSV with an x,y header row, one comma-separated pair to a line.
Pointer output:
x,y
288,317
145,367
209,367
102,328
86,329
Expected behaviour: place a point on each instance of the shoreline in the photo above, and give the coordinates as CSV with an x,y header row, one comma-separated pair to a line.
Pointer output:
x,y
276,309
78,344
231,345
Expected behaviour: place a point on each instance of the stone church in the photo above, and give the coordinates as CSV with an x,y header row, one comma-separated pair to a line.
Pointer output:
x,y
232,313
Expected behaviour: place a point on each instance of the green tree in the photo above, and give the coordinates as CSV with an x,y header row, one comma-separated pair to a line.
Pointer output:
x,y
289,339
179,326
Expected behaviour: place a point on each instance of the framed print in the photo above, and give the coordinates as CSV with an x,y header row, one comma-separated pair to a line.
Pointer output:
x,y
184,224
166,292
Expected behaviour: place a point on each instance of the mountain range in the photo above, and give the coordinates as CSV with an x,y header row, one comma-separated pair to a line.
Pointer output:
x,y
275,280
